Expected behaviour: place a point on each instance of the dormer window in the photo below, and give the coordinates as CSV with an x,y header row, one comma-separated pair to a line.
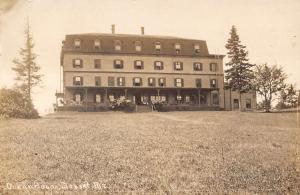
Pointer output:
x,y
197,48
97,44
138,46
77,43
157,47
177,48
118,46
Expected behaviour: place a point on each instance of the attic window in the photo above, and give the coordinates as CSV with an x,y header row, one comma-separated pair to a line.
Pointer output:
x,y
177,48
197,48
97,44
157,46
77,43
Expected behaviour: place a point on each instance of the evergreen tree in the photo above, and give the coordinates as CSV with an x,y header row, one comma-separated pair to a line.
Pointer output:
x,y
239,73
27,70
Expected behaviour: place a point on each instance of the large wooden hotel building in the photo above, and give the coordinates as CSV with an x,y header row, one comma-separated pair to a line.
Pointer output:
x,y
98,68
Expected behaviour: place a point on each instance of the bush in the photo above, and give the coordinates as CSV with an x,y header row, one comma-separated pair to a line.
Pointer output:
x,y
122,104
13,104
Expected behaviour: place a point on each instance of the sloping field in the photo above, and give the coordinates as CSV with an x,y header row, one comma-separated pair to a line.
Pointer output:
x,y
162,153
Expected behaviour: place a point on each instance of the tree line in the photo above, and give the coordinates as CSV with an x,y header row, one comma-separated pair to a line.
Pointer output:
x,y
269,81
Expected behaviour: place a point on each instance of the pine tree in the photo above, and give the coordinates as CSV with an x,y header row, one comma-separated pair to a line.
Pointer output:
x,y
27,70
239,73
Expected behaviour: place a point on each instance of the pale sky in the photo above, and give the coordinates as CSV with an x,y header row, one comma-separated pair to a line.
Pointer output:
x,y
269,28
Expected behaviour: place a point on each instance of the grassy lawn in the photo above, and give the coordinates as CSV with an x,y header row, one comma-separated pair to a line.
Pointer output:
x,y
176,153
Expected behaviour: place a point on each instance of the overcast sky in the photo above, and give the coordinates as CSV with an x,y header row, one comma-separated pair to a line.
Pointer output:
x,y
269,28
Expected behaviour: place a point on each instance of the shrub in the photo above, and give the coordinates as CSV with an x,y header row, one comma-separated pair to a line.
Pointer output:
x,y
13,104
122,104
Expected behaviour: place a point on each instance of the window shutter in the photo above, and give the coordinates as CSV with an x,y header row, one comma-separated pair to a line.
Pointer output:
x,y
81,63
74,80
73,64
175,83
141,82
181,65
182,83
164,81
81,80
142,64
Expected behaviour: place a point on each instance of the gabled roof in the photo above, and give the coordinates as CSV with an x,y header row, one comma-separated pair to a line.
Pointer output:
x,y
128,44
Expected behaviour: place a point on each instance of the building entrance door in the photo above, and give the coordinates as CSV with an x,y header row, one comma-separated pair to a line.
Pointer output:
x,y
138,99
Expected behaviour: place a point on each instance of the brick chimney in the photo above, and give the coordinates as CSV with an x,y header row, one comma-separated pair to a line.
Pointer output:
x,y
112,29
142,30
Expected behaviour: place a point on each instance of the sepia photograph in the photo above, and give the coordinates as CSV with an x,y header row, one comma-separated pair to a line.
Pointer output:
x,y
149,97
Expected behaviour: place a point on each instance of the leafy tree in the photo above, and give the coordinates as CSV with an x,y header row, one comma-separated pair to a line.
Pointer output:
x,y
27,70
268,82
291,97
239,73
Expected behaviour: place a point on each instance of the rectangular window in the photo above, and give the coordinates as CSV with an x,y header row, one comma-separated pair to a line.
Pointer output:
x,y
77,97
248,103
198,66
77,80
137,81
121,81
77,43
213,67
138,64
198,83
98,98
215,99
178,82
197,48
178,66
77,63
162,82
97,63
118,64
97,81
111,81
151,82
158,65
97,44
213,83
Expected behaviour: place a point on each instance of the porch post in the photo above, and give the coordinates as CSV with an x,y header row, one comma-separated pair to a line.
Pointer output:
x,y
86,98
125,92
199,97
209,99
105,95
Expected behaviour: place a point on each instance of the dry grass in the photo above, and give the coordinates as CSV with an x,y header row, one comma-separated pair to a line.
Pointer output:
x,y
172,153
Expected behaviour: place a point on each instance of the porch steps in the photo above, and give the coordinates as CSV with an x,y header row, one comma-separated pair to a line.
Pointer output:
x,y
143,108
